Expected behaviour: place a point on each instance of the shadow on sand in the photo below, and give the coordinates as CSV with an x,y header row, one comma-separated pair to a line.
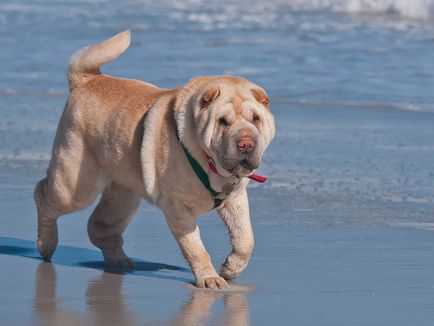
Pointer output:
x,y
87,258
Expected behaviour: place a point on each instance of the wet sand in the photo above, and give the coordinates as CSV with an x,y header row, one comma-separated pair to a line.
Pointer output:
x,y
302,276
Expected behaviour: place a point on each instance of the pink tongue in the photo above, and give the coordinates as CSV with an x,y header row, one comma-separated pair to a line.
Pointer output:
x,y
257,178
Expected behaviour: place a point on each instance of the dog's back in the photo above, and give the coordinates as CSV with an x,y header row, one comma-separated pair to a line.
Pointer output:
x,y
103,107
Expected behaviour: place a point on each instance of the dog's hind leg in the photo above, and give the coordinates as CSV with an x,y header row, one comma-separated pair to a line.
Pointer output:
x,y
47,222
109,220
73,181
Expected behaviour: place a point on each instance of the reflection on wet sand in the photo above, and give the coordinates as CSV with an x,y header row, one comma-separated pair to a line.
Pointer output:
x,y
46,302
106,303
105,300
196,310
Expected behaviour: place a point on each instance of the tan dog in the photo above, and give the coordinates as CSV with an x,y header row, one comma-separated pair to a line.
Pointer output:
x,y
118,137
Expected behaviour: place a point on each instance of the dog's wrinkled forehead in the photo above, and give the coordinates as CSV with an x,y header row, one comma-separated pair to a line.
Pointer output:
x,y
232,89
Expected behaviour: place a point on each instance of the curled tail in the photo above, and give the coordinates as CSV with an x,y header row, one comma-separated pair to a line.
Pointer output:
x,y
85,63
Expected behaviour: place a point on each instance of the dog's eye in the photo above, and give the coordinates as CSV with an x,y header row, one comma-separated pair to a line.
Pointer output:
x,y
256,118
223,121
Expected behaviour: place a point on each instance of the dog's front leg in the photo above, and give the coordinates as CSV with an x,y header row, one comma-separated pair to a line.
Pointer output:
x,y
236,216
186,233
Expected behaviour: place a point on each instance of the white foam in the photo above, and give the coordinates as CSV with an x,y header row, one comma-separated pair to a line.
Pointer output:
x,y
414,225
415,9
238,12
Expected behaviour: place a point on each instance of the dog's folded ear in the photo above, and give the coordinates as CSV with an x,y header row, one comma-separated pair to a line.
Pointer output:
x,y
210,96
261,97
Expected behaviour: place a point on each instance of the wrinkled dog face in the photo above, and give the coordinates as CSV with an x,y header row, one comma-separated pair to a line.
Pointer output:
x,y
234,124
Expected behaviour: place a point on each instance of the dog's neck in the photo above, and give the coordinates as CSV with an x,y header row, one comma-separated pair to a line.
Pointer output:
x,y
219,185
206,162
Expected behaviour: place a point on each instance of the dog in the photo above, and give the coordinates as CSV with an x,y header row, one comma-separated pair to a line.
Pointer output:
x,y
186,150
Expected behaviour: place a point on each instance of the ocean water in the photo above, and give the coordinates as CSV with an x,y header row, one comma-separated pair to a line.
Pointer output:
x,y
344,225
351,85
372,53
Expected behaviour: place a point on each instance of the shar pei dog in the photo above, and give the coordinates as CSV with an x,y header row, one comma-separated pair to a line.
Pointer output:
x,y
187,150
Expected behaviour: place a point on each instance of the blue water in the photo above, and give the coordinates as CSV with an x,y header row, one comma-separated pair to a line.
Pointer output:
x,y
351,85
347,52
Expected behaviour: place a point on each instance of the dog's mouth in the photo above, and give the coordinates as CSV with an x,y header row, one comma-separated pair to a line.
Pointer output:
x,y
243,167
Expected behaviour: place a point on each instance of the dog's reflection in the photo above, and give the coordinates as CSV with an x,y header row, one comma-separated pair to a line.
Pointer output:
x,y
106,303
46,303
196,310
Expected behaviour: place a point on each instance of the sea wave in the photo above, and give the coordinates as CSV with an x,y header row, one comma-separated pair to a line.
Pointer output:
x,y
408,107
414,9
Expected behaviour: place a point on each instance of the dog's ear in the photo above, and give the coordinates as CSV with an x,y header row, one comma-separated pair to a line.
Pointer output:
x,y
210,96
261,97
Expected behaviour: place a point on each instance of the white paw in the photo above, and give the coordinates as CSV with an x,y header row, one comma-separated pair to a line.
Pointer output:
x,y
232,267
215,282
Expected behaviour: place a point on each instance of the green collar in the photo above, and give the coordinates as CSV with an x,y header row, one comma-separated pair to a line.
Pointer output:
x,y
202,175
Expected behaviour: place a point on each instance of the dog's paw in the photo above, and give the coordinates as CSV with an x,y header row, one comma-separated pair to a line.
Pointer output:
x,y
117,259
46,248
47,242
232,267
215,282
227,273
